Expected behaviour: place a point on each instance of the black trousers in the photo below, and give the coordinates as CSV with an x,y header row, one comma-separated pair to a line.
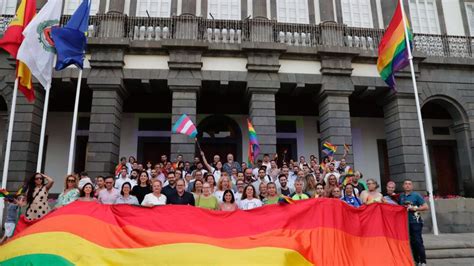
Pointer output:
x,y
416,242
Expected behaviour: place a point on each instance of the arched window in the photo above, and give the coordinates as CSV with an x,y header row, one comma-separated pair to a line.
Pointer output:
x,y
155,8
293,11
357,13
224,9
71,5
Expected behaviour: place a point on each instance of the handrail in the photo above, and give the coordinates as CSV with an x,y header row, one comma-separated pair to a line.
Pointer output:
x,y
330,34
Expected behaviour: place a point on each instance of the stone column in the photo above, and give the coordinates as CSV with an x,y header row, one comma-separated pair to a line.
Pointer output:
x,y
25,139
263,117
405,157
104,130
335,120
461,131
184,101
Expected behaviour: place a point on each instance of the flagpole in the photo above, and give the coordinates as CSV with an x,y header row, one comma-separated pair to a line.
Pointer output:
x,y
43,129
429,184
9,136
74,125
9,145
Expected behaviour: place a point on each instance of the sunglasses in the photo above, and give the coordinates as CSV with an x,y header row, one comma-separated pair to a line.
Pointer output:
x,y
38,178
71,180
109,182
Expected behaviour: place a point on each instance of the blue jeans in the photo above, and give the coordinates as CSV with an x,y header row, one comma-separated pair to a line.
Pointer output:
x,y
416,242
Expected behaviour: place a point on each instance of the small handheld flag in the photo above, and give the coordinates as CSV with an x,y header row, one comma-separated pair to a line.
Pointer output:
x,y
185,126
254,147
328,148
393,52
285,200
71,41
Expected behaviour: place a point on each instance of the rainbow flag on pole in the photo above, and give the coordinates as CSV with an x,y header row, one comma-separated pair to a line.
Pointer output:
x,y
328,148
308,232
393,52
185,126
254,147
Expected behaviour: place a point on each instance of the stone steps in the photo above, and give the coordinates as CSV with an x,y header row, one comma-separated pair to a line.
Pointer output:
x,y
450,249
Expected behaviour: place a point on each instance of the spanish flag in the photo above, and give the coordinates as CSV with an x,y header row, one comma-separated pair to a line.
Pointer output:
x,y
12,40
308,232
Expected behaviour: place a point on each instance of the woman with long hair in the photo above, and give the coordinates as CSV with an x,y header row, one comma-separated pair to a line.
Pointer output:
x,y
142,188
87,193
70,192
332,183
249,199
125,197
223,185
37,191
197,189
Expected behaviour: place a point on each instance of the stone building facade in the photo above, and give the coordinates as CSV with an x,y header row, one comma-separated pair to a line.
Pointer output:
x,y
300,83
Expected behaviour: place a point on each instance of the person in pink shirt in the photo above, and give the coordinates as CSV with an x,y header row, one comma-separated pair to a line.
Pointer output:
x,y
109,195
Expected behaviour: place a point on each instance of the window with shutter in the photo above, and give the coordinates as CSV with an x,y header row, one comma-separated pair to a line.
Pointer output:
x,y
357,13
71,5
8,7
470,16
224,9
424,16
155,8
292,11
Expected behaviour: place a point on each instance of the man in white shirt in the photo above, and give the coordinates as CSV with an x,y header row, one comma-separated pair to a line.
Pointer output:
x,y
266,162
262,178
122,178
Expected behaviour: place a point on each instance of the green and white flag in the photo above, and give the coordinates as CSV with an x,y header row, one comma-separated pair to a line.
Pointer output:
x,y
37,50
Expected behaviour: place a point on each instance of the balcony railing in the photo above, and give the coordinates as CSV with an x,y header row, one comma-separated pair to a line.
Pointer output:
x,y
259,30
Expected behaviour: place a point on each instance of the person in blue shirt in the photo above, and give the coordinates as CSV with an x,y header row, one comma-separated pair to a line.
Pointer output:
x,y
414,203
349,196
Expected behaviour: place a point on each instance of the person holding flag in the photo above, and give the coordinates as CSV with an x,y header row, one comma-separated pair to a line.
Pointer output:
x,y
11,42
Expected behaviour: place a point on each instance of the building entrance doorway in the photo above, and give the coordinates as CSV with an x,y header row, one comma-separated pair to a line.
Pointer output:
x,y
221,135
151,149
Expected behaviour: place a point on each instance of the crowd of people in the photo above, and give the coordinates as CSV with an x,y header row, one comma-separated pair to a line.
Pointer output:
x,y
221,185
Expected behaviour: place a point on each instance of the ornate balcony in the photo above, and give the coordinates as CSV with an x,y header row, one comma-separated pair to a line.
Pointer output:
x,y
188,27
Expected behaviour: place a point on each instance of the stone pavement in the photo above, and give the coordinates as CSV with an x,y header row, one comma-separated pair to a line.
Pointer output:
x,y
449,249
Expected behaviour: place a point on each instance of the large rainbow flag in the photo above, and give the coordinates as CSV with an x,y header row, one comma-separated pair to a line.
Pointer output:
x,y
309,232
393,52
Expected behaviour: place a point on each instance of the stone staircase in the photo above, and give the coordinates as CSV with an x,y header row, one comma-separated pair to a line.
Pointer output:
x,y
449,249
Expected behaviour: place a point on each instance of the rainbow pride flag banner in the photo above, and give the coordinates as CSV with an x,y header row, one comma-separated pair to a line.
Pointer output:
x,y
308,232
328,148
185,126
393,52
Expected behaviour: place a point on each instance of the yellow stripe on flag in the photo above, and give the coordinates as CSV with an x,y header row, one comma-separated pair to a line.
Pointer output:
x,y
24,75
